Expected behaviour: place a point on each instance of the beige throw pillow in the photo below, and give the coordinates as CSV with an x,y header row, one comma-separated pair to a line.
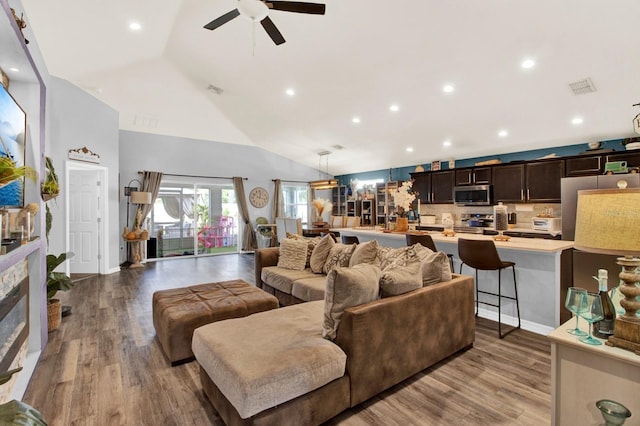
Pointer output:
x,y
311,241
365,253
339,255
435,266
320,253
401,279
347,287
292,254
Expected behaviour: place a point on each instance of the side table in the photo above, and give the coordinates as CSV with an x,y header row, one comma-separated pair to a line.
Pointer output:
x,y
582,374
135,248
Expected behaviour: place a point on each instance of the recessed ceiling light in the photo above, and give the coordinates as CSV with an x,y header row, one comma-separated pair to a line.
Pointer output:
x,y
290,92
356,120
448,88
446,143
528,63
503,133
577,120
409,149
394,108
135,26
14,69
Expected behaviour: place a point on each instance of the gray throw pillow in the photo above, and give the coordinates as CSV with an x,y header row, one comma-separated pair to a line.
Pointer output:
x,y
347,287
339,255
365,253
320,254
401,279
435,265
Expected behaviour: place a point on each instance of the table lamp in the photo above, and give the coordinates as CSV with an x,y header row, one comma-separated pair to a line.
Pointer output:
x,y
608,222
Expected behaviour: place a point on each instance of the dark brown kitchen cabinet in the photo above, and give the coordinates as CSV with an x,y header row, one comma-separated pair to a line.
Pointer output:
x,y
508,183
584,166
442,187
543,181
632,158
473,176
422,185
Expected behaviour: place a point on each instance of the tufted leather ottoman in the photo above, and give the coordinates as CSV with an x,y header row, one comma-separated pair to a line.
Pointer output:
x,y
178,312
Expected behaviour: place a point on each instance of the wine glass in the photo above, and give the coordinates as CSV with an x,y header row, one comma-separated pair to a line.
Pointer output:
x,y
591,311
573,302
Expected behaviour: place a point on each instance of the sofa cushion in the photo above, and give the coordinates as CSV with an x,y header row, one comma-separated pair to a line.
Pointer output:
x,y
293,254
365,253
348,287
401,279
339,255
435,265
312,242
261,361
320,253
309,289
282,279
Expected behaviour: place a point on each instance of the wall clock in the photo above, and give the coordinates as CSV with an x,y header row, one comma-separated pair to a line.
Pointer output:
x,y
258,197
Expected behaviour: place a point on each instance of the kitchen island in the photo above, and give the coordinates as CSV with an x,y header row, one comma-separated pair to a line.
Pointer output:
x,y
543,271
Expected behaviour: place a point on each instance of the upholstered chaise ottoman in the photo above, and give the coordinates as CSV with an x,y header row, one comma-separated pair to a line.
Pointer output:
x,y
178,312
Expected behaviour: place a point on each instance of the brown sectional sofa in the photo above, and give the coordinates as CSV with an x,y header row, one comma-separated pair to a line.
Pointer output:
x,y
385,342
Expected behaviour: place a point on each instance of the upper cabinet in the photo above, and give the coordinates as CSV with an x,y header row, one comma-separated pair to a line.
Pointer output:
x,y
442,187
473,176
584,166
422,186
536,182
543,181
508,183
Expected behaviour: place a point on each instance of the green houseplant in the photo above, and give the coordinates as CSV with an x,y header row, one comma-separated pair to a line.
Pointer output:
x,y
56,281
50,187
10,172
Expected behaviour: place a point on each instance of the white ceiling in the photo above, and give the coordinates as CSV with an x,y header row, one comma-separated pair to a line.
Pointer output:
x,y
356,60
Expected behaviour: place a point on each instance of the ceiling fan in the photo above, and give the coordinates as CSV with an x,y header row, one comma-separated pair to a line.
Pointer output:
x,y
257,10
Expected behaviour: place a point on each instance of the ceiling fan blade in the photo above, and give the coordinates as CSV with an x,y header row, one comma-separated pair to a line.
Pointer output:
x,y
297,6
273,32
222,20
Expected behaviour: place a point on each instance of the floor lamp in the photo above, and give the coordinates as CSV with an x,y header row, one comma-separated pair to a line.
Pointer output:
x,y
607,223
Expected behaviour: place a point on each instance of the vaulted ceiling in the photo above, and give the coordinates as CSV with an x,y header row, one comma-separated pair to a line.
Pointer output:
x,y
174,77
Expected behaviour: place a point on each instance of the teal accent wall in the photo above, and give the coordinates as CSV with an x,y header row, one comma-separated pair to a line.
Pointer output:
x,y
403,173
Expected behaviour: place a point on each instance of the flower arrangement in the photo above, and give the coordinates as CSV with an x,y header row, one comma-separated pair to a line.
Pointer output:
x,y
403,197
320,206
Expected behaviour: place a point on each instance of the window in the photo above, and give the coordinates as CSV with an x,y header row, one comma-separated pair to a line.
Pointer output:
x,y
195,219
296,201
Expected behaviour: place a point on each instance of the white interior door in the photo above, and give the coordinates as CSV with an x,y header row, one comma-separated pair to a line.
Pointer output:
x,y
84,221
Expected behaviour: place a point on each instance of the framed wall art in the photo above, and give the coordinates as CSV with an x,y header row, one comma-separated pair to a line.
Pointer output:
x,y
13,123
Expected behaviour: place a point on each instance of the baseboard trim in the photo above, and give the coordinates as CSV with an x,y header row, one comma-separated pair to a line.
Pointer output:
x,y
513,321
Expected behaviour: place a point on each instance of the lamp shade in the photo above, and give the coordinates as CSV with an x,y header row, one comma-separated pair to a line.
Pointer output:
x,y
608,221
138,197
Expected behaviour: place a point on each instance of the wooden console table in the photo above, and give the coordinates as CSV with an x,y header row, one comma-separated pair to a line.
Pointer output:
x,y
135,248
582,374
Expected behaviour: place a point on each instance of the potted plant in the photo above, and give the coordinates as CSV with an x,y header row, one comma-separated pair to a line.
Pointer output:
x,y
9,172
56,281
403,197
50,187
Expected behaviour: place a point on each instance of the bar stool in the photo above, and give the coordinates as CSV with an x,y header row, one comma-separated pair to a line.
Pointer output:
x,y
425,240
350,239
483,255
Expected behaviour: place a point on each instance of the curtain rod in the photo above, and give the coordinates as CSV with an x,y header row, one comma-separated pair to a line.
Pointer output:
x,y
196,176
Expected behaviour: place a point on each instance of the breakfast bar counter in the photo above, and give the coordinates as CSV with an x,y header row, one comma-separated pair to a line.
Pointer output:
x,y
543,271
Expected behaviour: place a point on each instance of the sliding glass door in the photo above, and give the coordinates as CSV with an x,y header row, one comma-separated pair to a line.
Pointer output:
x,y
194,219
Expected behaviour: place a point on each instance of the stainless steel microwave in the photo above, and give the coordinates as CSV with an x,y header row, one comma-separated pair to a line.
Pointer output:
x,y
475,195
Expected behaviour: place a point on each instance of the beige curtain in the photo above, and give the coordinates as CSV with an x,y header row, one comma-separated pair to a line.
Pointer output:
x,y
150,183
248,236
277,208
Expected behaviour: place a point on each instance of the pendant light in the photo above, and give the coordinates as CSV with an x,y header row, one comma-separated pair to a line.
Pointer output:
x,y
323,183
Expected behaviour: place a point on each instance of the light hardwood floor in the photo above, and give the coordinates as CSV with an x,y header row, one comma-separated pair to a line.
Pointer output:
x,y
103,366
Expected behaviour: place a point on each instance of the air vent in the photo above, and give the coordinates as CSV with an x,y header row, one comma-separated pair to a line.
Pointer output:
x,y
216,89
582,87
141,120
338,147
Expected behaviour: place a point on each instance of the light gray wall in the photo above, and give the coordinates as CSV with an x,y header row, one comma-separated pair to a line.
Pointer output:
x,y
175,155
77,119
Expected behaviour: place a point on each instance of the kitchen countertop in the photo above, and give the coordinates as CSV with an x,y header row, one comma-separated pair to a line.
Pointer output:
x,y
515,243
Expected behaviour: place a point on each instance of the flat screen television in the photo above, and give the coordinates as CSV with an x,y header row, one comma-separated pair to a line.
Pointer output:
x,y
13,125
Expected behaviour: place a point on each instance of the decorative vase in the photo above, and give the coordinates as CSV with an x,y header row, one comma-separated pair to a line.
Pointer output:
x,y
125,233
402,224
144,235
54,314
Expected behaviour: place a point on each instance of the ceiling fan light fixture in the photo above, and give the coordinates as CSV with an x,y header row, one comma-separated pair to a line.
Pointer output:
x,y
255,10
